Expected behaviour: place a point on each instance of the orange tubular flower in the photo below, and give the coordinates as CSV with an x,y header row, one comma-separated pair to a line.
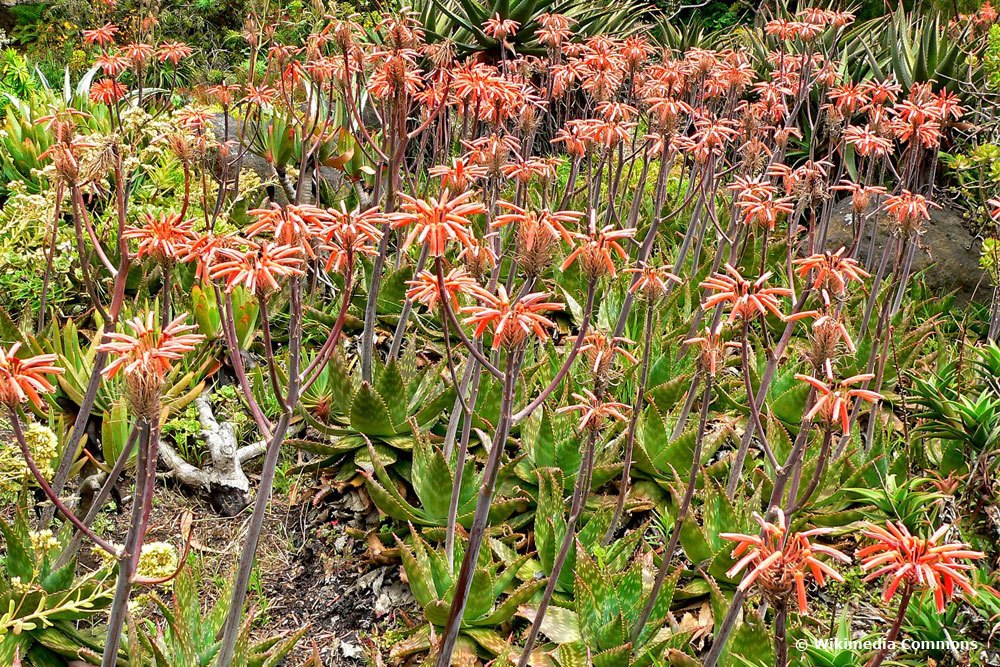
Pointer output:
x,y
107,91
149,349
24,380
598,248
595,412
747,299
164,236
258,268
425,289
763,211
512,322
438,222
102,36
906,559
835,399
173,52
779,563
651,281
834,272
113,64
554,30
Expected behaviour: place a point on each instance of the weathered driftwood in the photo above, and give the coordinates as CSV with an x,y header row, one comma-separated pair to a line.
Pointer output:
x,y
223,477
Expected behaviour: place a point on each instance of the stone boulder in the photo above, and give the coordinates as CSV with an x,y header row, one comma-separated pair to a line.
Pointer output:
x,y
948,256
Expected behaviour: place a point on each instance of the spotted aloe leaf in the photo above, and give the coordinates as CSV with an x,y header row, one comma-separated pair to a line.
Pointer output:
x,y
660,611
597,604
432,479
549,523
560,625
383,492
369,413
392,390
669,461
505,611
418,574
612,657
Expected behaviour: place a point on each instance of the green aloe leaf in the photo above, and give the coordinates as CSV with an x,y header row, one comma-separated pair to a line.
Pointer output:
x,y
369,414
392,390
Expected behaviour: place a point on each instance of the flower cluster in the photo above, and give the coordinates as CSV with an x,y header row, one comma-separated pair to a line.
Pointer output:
x,y
779,562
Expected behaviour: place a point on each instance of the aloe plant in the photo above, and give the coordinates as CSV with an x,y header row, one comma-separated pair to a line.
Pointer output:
x,y
909,501
431,474
189,633
352,413
606,605
497,593
912,48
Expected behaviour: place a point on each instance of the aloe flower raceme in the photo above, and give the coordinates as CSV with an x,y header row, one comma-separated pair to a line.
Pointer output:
x,y
348,235
595,413
652,282
291,225
165,236
833,271
601,349
779,563
425,287
834,399
512,321
597,249
23,380
173,52
149,349
146,355
258,268
910,562
909,211
438,222
747,300
538,233
103,36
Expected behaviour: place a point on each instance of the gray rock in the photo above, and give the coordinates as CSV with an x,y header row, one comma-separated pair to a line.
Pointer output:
x,y
948,256
330,178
